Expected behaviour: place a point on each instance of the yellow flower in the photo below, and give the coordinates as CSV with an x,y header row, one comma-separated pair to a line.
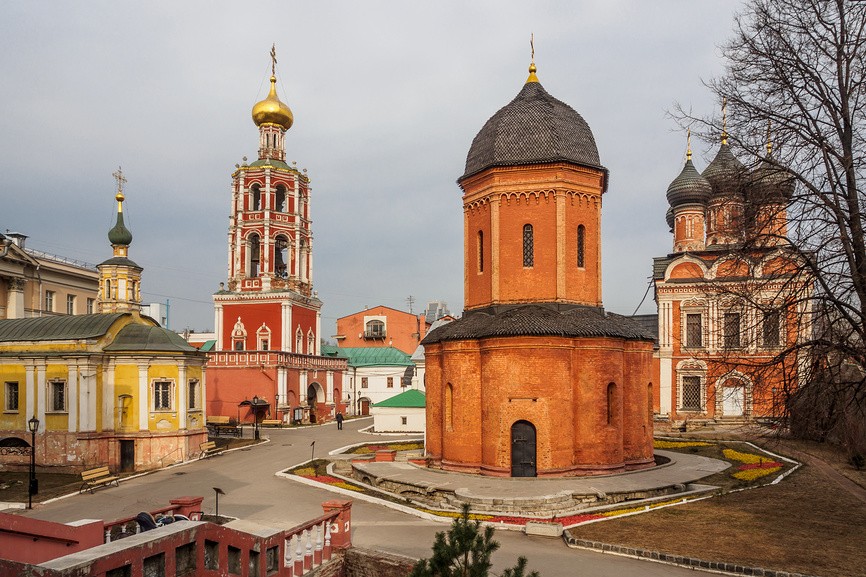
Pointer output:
x,y
678,444
743,457
752,474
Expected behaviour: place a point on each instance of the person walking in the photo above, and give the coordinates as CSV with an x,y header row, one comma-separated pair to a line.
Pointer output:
x,y
339,421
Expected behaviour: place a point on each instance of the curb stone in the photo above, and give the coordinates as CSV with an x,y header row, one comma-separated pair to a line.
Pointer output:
x,y
689,562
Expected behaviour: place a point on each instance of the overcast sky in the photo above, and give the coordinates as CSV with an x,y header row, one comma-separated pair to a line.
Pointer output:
x,y
387,97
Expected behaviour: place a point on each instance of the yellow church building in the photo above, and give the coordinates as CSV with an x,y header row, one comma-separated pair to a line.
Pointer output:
x,y
112,388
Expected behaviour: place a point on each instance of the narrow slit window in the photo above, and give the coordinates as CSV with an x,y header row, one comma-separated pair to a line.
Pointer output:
x,y
581,245
528,246
480,251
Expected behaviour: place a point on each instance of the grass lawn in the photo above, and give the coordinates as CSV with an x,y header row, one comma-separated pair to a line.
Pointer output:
x,y
805,524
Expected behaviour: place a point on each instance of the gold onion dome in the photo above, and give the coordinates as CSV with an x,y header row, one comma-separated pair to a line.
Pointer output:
x,y
273,111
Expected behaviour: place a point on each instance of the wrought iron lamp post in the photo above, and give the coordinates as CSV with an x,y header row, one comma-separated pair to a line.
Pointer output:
x,y
33,487
256,416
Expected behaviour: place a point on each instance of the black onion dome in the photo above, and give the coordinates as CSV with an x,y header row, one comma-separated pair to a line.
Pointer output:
x,y
669,218
534,128
725,173
770,184
120,235
538,320
689,187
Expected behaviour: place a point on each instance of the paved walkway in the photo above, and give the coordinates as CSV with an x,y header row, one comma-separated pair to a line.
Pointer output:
x,y
682,469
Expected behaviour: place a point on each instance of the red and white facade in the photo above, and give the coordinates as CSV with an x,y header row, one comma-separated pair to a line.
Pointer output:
x,y
267,317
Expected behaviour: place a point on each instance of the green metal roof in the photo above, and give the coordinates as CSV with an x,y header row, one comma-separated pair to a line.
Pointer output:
x,y
332,351
135,337
208,345
57,328
411,399
271,162
376,357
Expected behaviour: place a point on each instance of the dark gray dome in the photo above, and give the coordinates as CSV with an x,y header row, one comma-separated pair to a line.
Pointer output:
x,y
726,174
534,128
689,187
770,184
669,218
120,235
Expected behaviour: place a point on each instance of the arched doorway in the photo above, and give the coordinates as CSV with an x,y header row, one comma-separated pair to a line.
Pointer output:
x,y
314,396
364,406
523,449
733,399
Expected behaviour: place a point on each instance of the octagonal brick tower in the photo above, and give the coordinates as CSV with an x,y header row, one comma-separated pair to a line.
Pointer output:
x,y
536,379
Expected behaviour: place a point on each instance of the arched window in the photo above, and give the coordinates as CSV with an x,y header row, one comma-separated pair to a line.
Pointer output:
x,y
480,251
374,329
107,289
255,197
253,246
449,406
581,245
611,403
281,254
311,343
299,341
528,248
280,204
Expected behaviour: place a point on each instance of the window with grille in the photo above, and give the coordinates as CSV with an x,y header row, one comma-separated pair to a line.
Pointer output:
x,y
691,399
162,395
390,382
57,391
732,330
694,330
192,394
581,245
364,382
528,248
11,403
772,324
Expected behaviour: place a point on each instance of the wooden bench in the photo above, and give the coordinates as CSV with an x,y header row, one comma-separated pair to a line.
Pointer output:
x,y
272,423
207,449
219,424
98,477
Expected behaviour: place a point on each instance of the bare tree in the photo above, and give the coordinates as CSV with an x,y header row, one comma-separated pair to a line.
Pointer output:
x,y
796,78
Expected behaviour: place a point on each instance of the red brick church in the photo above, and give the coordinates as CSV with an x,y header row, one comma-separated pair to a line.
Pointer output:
x,y
536,379
267,316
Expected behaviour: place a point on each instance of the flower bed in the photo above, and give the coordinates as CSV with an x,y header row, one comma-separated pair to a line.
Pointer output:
x,y
367,449
661,444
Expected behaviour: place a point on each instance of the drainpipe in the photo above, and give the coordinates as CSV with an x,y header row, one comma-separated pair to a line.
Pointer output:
x,y
41,296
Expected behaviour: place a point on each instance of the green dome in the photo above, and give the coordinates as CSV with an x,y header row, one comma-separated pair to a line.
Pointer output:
x,y
120,234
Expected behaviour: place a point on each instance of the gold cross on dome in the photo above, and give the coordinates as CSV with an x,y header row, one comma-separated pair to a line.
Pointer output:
x,y
532,44
121,180
274,59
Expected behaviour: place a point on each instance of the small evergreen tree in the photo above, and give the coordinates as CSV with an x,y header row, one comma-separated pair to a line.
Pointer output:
x,y
464,551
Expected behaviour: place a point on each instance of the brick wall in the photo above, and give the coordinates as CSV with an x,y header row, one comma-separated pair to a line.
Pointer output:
x,y
368,563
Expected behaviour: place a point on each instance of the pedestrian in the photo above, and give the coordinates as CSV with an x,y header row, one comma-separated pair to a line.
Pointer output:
x,y
339,421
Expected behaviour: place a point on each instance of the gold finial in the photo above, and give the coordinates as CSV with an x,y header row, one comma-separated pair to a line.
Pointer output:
x,y
121,180
532,68
769,142
688,144
274,59
725,120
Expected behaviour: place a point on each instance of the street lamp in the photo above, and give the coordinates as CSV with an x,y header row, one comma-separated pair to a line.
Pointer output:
x,y
256,416
33,487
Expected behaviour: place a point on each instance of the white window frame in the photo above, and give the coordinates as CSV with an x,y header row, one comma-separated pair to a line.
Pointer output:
x,y
156,388
299,341
684,315
90,306
702,391
193,392
49,301
9,385
70,304
53,386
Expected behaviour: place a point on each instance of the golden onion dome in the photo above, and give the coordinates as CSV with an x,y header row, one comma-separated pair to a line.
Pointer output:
x,y
272,111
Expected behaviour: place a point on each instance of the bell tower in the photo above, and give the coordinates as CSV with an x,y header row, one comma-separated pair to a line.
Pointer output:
x,y
119,277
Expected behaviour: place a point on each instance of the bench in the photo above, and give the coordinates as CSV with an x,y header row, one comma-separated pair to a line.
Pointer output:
x,y
272,423
217,425
207,449
98,477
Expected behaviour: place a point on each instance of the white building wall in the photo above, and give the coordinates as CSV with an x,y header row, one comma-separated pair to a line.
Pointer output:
x,y
390,419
